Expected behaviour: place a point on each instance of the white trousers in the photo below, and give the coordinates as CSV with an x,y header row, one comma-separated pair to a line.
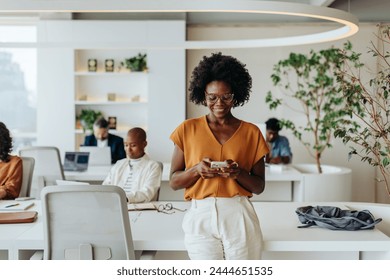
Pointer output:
x,y
222,228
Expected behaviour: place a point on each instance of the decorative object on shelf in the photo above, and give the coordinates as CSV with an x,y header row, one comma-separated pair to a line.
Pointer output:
x,y
83,97
112,122
136,98
310,80
92,65
87,117
136,63
367,100
109,65
111,96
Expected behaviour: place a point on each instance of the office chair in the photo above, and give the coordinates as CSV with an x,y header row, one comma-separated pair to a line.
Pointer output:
x,y
28,170
48,166
148,254
86,222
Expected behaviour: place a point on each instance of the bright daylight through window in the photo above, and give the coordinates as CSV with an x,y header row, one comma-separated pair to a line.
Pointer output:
x,y
18,82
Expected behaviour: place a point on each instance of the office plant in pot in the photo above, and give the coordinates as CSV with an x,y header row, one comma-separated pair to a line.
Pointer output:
x,y
136,63
87,117
309,80
367,99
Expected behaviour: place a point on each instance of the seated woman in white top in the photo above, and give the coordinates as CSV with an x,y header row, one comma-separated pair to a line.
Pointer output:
x,y
137,174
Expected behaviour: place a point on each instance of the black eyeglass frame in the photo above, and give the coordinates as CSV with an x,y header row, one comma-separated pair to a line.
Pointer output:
x,y
168,208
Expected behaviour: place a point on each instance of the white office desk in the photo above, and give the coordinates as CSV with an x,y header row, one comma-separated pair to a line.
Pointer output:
x,y
151,230
93,173
8,235
280,186
99,173
282,239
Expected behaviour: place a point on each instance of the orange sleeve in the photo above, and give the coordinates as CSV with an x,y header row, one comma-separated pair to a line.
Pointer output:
x,y
14,182
178,135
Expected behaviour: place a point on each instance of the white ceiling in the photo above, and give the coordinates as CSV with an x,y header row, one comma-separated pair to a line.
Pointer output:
x,y
364,10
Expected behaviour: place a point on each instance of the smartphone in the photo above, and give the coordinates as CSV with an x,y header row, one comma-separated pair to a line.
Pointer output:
x,y
218,164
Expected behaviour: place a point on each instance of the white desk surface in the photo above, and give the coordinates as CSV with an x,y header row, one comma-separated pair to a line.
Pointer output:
x,y
289,173
93,173
99,173
279,226
158,231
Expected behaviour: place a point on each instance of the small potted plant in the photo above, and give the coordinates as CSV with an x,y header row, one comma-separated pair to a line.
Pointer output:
x,y
368,101
87,117
137,63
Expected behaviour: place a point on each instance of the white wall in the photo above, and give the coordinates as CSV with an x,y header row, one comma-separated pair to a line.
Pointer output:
x,y
260,62
58,40
55,98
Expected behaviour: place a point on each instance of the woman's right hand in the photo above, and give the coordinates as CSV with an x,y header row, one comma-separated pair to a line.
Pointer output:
x,y
204,170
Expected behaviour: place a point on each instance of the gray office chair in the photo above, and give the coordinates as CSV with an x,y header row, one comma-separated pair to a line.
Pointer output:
x,y
86,222
28,170
48,166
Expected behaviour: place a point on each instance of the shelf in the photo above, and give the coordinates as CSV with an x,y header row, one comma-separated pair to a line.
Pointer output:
x,y
112,131
93,89
24,134
110,102
109,74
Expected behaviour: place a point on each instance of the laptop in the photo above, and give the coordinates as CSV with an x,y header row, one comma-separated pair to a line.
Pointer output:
x,y
76,161
97,155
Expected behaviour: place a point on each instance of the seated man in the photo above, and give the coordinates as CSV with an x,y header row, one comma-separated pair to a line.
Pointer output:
x,y
138,175
280,151
102,138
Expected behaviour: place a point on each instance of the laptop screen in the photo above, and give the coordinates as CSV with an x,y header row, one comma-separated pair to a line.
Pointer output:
x,y
76,161
98,155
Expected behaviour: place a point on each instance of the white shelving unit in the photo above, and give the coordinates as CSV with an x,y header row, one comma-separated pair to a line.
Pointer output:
x,y
130,106
64,80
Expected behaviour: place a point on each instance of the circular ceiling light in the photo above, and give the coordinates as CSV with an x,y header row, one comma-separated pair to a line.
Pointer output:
x,y
348,22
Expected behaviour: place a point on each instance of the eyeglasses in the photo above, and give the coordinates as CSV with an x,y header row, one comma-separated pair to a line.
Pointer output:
x,y
168,208
225,98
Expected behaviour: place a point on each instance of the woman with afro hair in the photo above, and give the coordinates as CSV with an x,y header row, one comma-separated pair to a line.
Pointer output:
x,y
221,223
11,169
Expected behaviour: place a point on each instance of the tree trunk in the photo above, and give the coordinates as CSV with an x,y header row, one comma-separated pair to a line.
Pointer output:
x,y
318,161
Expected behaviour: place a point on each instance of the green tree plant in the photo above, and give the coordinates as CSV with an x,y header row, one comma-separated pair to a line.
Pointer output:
x,y
368,101
136,63
87,118
311,80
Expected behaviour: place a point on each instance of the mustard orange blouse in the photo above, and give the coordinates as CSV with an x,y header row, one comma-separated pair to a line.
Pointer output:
x,y
195,138
11,175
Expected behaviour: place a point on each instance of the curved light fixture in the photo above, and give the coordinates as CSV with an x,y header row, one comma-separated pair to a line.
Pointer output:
x,y
348,22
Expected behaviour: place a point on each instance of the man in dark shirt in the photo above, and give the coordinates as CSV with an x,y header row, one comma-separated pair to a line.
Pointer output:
x,y
101,138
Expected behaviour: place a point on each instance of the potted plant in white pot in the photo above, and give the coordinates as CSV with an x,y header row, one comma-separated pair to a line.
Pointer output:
x,y
136,63
310,80
368,101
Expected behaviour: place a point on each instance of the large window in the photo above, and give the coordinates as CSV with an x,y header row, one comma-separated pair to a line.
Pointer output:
x,y
18,81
